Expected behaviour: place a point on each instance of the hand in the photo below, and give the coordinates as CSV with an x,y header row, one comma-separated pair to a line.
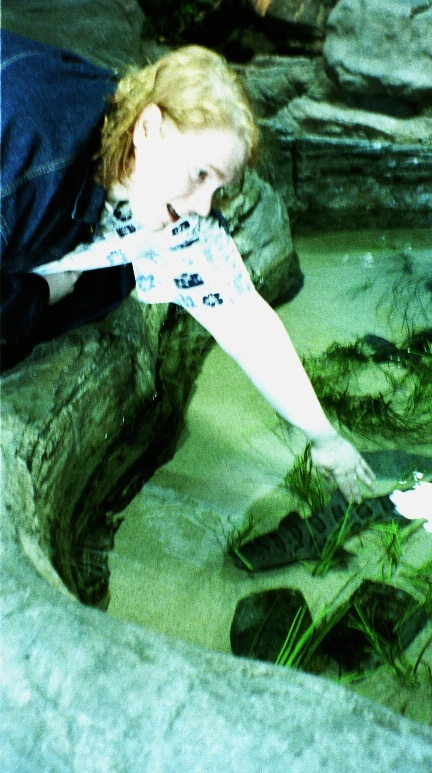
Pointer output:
x,y
336,458
61,284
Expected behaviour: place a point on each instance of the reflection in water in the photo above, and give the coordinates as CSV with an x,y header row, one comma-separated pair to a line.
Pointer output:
x,y
170,570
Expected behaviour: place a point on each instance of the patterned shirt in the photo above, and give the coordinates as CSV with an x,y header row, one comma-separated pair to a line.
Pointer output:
x,y
193,263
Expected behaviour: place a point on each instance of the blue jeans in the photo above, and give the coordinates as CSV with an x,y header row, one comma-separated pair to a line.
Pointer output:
x,y
52,104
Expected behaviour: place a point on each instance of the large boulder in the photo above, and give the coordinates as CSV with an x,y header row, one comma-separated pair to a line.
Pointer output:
x,y
381,48
84,692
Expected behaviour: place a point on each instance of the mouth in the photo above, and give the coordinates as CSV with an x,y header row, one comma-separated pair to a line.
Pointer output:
x,y
174,216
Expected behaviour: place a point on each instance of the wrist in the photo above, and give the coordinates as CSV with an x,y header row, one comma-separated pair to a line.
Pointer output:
x,y
323,435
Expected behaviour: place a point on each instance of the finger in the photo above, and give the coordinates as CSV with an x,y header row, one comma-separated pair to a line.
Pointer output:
x,y
348,485
366,475
350,493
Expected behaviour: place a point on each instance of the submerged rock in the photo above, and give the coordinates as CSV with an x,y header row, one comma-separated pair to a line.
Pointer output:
x,y
262,621
380,623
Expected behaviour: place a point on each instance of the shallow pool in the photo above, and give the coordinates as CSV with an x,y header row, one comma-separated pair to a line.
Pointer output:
x,y
170,569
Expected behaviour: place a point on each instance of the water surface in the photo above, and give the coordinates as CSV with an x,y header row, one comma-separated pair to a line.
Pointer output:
x,y
169,569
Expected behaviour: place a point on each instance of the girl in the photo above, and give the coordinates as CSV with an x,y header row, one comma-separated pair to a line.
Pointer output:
x,y
174,134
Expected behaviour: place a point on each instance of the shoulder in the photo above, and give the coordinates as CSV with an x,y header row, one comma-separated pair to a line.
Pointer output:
x,y
44,87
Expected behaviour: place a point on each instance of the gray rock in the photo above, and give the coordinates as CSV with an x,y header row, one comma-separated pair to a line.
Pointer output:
x,y
251,212
108,32
373,169
308,117
381,47
337,164
274,81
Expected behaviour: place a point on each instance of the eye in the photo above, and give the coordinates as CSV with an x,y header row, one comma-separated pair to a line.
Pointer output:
x,y
200,175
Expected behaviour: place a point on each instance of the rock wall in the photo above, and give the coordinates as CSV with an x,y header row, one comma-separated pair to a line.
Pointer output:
x,y
84,692
348,135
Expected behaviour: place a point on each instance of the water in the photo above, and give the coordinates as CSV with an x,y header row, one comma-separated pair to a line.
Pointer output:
x,y
170,570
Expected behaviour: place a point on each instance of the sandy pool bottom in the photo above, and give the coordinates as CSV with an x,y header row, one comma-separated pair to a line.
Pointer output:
x,y
170,570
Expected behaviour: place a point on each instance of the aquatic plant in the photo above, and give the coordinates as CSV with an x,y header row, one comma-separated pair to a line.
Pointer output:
x,y
420,657
236,550
419,342
305,482
420,577
261,621
393,539
332,550
302,643
238,537
365,633
406,300
405,408
381,622
300,646
380,647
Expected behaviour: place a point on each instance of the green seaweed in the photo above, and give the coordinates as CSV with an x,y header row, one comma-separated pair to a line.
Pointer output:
x,y
379,645
331,551
393,539
300,646
305,482
420,657
420,578
406,407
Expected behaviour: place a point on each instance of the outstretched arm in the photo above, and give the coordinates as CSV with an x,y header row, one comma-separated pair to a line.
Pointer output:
x,y
252,333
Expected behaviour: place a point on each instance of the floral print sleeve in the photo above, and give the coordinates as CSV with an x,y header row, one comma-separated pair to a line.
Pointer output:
x,y
193,263
203,269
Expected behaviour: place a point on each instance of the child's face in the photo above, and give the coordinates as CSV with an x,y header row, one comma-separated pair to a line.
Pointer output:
x,y
177,174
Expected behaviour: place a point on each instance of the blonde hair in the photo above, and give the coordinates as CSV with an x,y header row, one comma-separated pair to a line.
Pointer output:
x,y
194,87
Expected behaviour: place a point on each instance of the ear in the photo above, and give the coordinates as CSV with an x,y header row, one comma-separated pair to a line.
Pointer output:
x,y
148,125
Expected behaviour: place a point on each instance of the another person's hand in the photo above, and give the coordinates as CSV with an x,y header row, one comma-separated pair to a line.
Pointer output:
x,y
61,284
336,458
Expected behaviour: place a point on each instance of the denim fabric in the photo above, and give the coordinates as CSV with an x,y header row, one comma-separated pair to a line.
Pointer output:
x,y
52,105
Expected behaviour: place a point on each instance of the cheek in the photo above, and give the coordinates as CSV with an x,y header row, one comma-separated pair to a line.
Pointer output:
x,y
162,176
175,182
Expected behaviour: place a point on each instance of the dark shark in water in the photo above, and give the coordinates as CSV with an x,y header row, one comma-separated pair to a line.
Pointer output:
x,y
298,539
